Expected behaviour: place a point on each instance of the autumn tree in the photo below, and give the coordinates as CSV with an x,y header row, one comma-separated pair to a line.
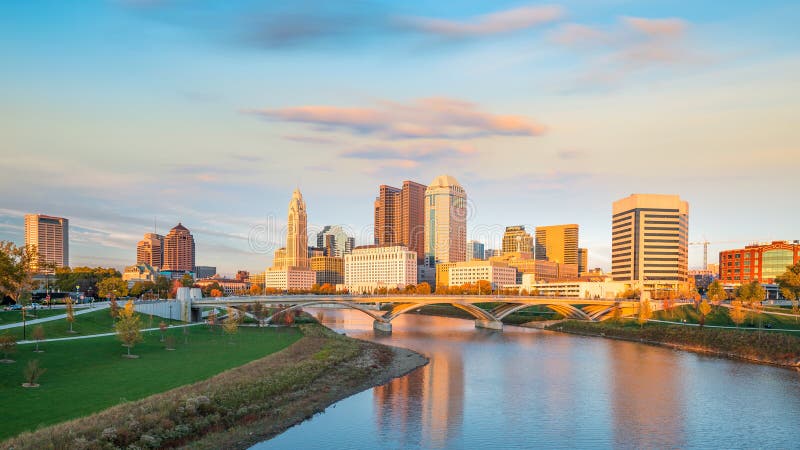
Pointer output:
x,y
212,318
751,294
736,312
231,324
16,265
187,280
423,288
113,308
128,328
32,373
8,345
255,290
38,336
703,309
789,283
112,288
645,313
216,293
70,313
716,293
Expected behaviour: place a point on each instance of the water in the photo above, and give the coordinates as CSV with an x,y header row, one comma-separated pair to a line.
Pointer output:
x,y
524,388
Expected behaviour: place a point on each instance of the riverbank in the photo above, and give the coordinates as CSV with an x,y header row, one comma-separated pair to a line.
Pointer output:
x,y
771,348
241,406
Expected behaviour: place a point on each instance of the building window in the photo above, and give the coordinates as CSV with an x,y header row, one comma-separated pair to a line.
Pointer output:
x,y
774,262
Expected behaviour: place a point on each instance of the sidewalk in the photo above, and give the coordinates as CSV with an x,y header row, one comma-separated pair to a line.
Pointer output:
x,y
77,312
105,334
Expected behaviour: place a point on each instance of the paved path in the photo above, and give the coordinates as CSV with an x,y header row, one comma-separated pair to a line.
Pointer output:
x,y
97,307
105,334
721,326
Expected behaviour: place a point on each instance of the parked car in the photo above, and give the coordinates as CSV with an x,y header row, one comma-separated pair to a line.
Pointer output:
x,y
34,305
15,307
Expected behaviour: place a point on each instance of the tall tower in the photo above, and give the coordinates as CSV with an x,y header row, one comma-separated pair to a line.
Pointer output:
x,y
516,239
179,249
50,235
399,216
649,239
150,250
296,233
445,221
558,243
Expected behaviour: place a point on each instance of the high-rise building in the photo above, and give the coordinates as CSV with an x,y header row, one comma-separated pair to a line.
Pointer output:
x,y
204,271
557,243
445,221
150,250
296,229
372,267
178,250
649,240
491,252
328,269
279,258
475,250
50,235
758,262
334,241
516,239
583,260
399,216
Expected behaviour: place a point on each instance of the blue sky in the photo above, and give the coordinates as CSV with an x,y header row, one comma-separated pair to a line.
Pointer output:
x,y
210,113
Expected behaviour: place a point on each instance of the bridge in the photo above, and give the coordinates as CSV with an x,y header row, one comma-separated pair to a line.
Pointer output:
x,y
574,308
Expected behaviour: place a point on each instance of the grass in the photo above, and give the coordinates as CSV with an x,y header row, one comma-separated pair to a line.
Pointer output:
x,y
719,316
88,375
95,322
9,317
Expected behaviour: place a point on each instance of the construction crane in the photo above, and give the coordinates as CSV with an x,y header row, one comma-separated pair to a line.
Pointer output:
x,y
704,243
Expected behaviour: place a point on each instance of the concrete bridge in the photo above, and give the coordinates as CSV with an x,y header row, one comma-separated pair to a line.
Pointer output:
x,y
576,308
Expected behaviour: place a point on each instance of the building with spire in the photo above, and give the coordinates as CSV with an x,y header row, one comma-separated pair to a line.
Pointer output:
x,y
290,269
179,251
445,221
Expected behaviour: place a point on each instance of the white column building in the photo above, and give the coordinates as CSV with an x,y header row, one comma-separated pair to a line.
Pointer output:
x,y
372,267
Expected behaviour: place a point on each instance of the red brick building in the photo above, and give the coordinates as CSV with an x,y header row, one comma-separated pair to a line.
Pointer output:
x,y
762,263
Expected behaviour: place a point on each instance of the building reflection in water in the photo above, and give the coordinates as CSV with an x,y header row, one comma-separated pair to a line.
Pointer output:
x,y
647,404
427,406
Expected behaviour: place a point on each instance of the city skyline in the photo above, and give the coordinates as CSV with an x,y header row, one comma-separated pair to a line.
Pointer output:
x,y
534,128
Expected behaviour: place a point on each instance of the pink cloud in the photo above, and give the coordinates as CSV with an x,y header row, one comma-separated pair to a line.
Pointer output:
x,y
657,27
499,22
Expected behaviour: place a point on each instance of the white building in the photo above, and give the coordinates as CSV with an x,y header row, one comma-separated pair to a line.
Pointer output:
x,y
445,221
371,267
139,273
575,289
497,273
289,278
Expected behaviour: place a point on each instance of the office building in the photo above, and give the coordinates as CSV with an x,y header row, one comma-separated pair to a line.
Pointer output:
x,y
542,270
296,232
399,215
491,252
328,269
445,221
649,241
141,272
758,262
178,250
289,279
373,267
583,260
228,286
475,250
334,241
50,235
205,271
279,258
150,250
497,273
557,243
575,289
515,239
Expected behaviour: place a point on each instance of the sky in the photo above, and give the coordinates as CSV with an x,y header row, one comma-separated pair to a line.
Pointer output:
x,y
125,115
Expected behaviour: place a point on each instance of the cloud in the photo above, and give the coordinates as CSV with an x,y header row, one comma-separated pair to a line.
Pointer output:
x,y
309,139
430,118
656,27
427,152
500,22
570,154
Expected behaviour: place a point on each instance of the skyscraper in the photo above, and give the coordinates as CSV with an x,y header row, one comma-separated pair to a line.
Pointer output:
x,y
445,221
334,241
399,217
516,239
296,229
583,260
649,239
475,250
557,243
150,250
50,235
179,250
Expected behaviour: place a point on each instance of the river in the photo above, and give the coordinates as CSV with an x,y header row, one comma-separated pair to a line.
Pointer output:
x,y
524,388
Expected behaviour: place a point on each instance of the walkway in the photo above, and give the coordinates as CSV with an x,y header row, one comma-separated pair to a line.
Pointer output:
x,y
97,307
105,334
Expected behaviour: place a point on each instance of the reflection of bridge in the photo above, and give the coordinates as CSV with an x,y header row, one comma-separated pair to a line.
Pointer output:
x,y
575,308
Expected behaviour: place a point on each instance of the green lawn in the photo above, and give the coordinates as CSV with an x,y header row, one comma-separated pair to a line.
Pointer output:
x,y
88,375
8,317
95,322
719,316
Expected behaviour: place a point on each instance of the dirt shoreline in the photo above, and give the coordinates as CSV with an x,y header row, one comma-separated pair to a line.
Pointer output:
x,y
239,407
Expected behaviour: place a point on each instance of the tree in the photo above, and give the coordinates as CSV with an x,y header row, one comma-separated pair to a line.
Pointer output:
x,y
212,318
703,309
32,373
716,293
112,287
15,269
70,313
216,293
789,283
84,277
737,312
162,286
751,294
668,303
38,336
163,327
423,288
8,345
187,280
113,308
231,324
255,289
128,328
645,313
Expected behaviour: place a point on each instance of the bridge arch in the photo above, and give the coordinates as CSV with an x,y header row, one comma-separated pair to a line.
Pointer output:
x,y
297,306
565,310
